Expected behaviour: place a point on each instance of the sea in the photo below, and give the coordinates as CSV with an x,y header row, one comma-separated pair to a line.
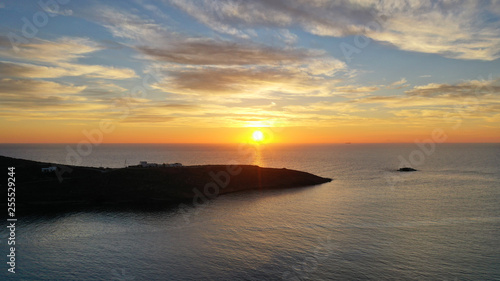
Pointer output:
x,y
371,222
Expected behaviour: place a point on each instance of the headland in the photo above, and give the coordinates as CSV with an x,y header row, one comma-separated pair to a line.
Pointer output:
x,y
40,184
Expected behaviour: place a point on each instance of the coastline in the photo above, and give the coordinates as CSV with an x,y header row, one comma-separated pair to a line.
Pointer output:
x,y
47,185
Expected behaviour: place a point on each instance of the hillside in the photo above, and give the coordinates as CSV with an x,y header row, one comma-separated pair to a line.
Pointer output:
x,y
137,185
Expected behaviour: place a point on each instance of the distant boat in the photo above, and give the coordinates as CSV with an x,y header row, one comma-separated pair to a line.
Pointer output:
x,y
348,142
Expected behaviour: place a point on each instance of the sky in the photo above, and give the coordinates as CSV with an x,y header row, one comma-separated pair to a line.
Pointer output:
x,y
208,71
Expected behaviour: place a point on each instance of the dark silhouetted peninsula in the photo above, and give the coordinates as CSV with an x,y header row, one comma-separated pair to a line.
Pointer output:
x,y
47,185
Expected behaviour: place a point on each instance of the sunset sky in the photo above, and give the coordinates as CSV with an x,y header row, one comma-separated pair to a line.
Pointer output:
x,y
210,71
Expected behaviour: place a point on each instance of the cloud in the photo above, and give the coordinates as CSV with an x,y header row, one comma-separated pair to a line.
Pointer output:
x,y
32,99
250,81
29,87
61,50
97,71
325,108
318,17
214,66
38,98
59,57
459,30
123,24
24,70
159,43
204,51
209,10
209,66
65,12
352,89
398,84
220,75
23,94
102,88
148,118
287,36
474,99
472,88
450,30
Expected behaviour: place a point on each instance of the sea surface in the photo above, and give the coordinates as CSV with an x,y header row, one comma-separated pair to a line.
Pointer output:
x,y
370,223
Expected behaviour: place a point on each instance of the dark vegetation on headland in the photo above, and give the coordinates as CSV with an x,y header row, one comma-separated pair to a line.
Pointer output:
x,y
87,186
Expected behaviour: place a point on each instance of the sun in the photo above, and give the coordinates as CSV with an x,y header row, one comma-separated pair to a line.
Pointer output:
x,y
258,136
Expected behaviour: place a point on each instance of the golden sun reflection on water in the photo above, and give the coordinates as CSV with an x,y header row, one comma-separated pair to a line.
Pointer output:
x,y
257,158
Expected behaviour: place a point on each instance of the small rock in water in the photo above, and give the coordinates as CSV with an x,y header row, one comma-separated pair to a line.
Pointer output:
x,y
406,169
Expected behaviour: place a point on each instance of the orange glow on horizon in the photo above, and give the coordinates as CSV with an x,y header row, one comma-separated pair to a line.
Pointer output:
x,y
59,132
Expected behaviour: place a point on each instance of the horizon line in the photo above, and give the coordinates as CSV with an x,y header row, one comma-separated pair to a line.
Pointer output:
x,y
238,143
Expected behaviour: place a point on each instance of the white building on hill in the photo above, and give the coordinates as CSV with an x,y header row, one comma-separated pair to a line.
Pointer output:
x,y
145,164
